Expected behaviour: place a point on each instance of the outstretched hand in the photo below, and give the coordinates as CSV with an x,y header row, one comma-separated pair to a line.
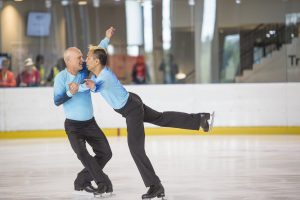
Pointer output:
x,y
90,84
109,32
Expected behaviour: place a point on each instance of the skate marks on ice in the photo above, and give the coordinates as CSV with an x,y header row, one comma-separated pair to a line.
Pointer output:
x,y
226,167
106,196
157,198
80,195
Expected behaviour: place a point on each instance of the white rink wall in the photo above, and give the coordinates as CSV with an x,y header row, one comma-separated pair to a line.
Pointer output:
x,y
236,105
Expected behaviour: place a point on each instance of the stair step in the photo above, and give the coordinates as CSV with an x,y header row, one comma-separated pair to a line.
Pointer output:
x,y
247,72
273,68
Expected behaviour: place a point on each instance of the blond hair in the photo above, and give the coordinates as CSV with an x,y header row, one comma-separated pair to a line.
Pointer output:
x,y
93,48
98,53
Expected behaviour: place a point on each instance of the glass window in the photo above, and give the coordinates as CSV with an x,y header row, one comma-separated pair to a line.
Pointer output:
x,y
158,41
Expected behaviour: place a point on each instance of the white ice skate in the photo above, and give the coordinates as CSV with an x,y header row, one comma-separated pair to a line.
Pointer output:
x,y
206,121
211,121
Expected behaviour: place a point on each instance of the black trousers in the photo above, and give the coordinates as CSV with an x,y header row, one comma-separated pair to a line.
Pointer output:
x,y
136,113
80,132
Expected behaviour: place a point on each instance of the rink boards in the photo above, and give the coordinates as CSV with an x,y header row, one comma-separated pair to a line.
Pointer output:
x,y
240,109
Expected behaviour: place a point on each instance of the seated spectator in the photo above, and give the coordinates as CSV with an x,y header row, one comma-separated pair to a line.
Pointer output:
x,y
30,76
7,78
39,64
60,65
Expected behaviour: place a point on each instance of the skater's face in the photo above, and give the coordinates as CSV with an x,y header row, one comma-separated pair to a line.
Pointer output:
x,y
91,61
74,59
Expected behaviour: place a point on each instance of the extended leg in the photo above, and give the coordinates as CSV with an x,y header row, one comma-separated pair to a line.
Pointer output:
x,y
172,119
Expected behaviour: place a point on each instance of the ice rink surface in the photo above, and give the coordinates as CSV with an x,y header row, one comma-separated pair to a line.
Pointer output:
x,y
200,167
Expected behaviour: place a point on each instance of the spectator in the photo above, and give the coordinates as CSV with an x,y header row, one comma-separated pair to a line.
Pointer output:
x,y
7,78
30,76
39,64
169,69
139,71
60,65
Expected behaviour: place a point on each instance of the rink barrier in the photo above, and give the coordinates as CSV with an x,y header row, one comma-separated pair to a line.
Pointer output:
x,y
235,105
115,132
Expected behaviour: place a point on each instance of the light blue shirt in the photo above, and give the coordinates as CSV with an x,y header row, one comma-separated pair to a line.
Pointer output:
x,y
78,106
109,87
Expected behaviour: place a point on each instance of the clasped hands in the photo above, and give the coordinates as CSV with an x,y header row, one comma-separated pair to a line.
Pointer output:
x,y
74,87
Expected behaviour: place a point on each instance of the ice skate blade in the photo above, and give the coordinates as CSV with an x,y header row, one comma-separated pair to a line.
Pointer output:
x,y
211,121
162,198
104,195
83,193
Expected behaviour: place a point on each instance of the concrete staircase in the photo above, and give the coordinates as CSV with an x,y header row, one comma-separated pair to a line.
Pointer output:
x,y
275,67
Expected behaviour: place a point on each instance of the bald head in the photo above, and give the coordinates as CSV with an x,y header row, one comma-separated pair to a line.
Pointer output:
x,y
73,58
70,53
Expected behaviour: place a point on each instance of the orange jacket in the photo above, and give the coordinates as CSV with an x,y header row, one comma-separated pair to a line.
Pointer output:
x,y
7,79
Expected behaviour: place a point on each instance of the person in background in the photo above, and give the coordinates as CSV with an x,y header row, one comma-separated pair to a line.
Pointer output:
x,y
39,64
30,76
169,73
139,71
60,65
7,78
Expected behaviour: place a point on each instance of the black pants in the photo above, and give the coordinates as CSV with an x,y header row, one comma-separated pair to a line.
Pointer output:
x,y
136,113
80,132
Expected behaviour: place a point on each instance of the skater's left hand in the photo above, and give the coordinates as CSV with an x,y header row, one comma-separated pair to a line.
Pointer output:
x,y
109,32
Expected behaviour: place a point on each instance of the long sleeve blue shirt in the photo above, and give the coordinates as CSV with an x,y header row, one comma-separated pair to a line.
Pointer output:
x,y
110,88
78,106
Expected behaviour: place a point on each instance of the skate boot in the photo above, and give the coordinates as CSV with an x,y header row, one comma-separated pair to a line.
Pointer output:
x,y
206,121
155,191
109,188
100,190
85,190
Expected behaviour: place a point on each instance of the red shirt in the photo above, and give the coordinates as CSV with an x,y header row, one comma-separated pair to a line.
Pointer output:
x,y
7,79
29,78
140,70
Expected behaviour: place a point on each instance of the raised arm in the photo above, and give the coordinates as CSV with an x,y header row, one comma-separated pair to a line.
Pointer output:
x,y
103,44
108,34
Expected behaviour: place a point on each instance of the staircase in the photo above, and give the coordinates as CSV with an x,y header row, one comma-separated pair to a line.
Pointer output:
x,y
276,67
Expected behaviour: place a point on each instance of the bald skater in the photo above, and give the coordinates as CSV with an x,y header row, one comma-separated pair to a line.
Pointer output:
x,y
132,108
80,124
